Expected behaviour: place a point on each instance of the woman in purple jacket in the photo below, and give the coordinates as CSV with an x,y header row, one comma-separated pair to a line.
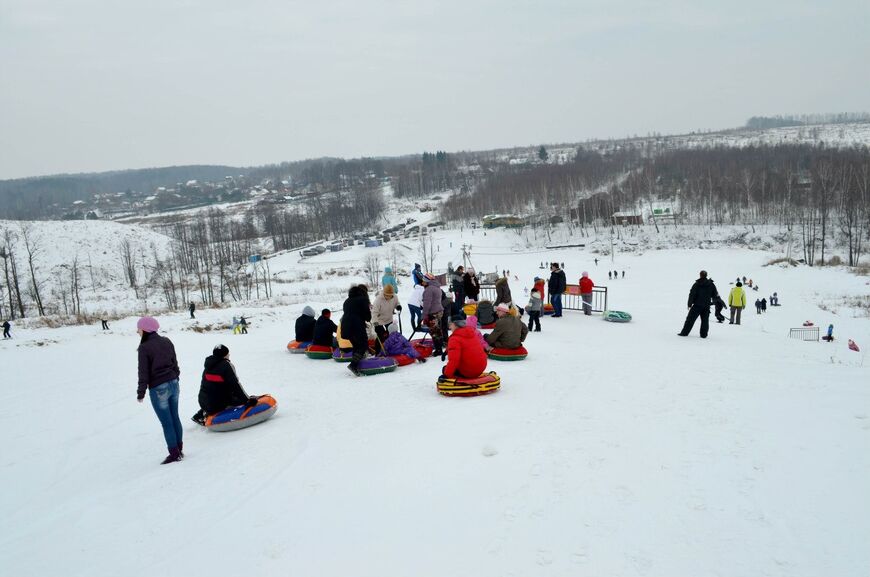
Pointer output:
x,y
158,372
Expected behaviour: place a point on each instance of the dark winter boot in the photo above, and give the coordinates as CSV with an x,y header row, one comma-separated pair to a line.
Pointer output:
x,y
174,455
199,418
180,451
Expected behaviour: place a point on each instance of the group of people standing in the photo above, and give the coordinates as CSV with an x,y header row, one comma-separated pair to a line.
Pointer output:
x,y
703,294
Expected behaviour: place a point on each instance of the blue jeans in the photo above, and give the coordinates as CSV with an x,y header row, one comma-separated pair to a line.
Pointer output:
x,y
164,399
556,300
416,312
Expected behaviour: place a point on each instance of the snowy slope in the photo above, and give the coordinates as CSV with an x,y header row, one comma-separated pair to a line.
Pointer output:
x,y
613,450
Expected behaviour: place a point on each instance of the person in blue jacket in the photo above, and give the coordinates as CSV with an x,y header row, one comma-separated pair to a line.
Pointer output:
x,y
389,278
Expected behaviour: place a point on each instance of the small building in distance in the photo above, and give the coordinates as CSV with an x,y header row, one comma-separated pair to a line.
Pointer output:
x,y
624,218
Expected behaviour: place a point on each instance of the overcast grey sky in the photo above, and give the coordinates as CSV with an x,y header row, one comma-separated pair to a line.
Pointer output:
x,y
96,85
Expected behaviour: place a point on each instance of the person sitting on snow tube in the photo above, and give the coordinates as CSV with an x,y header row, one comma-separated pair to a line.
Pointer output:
x,y
465,355
357,312
220,387
509,331
324,328
396,344
305,326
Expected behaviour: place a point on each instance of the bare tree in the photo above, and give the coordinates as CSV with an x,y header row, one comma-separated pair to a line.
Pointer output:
x,y
33,248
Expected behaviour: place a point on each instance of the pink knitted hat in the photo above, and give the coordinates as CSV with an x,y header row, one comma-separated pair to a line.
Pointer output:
x,y
148,324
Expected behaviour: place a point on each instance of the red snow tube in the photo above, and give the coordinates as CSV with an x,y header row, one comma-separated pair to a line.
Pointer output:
x,y
318,352
548,309
403,360
516,354
489,326
424,347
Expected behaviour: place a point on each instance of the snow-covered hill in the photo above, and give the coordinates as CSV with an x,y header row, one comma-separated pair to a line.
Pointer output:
x,y
612,450
96,248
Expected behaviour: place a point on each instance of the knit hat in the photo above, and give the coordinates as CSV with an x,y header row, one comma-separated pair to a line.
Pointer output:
x,y
389,291
458,321
471,321
585,274
308,312
537,278
148,324
388,269
326,313
503,308
392,328
739,283
220,351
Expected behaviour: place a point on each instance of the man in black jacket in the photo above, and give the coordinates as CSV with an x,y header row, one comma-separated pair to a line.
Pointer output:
x,y
324,330
357,312
701,296
556,286
220,387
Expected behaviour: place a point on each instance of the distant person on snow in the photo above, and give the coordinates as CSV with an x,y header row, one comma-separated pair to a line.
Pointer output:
x,y
534,308
305,326
720,304
158,373
502,292
471,285
433,311
396,344
105,321
6,327
220,387
737,302
389,279
417,274
191,308
596,262
764,305
243,324
457,287
383,310
556,286
609,275
509,331
701,296
465,357
758,306
324,329
415,306
357,312
623,274
830,334
586,286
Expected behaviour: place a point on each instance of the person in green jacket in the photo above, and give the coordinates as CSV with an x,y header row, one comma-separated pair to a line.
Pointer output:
x,y
736,302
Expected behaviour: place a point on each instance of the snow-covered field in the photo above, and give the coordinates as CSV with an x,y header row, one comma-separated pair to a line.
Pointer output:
x,y
612,450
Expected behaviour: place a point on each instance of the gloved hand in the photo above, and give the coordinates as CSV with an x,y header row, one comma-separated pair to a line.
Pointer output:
x,y
399,307
252,402
426,320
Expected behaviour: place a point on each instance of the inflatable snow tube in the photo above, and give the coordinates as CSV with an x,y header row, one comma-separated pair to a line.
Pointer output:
x,y
616,316
240,417
403,360
470,309
423,347
461,387
318,352
298,347
548,309
342,356
377,365
516,354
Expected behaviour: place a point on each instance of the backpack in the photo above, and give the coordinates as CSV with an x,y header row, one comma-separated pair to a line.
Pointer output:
x,y
485,313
